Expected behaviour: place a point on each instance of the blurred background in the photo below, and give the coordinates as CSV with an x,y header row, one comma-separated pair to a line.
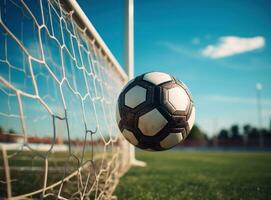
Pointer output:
x,y
220,49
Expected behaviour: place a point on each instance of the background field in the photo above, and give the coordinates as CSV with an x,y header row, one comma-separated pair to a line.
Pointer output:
x,y
198,175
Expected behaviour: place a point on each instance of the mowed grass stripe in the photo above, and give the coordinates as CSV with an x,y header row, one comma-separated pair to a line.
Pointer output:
x,y
197,175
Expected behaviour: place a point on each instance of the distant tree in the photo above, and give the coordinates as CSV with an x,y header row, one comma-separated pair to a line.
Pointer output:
x,y
196,134
266,134
11,131
254,133
235,132
1,130
249,136
246,132
247,129
223,135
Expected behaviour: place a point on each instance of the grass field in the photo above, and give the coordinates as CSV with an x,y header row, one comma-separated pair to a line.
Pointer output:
x,y
197,175
26,171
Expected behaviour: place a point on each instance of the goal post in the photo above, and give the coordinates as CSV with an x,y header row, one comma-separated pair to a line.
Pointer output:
x,y
59,84
129,60
92,31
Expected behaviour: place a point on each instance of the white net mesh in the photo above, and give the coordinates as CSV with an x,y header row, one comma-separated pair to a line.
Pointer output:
x,y
58,91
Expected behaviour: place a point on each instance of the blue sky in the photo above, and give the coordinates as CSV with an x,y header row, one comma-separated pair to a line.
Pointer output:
x,y
220,49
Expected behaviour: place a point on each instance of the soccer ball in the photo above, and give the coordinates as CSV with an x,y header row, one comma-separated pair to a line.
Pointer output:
x,y
155,111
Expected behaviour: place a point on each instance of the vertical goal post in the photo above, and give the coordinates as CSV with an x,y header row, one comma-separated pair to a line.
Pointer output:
x,y
129,60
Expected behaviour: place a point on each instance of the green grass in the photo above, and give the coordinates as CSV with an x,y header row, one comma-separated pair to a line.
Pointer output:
x,y
196,175
26,171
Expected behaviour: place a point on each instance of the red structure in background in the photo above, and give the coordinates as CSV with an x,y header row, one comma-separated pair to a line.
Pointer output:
x,y
213,142
18,138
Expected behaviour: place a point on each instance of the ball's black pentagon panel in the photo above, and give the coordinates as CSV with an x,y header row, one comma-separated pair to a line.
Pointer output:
x,y
155,111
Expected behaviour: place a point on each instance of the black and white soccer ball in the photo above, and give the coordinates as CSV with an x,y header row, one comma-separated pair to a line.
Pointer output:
x,y
155,111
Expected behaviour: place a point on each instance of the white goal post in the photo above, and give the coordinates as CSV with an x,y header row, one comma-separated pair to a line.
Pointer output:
x,y
129,60
59,84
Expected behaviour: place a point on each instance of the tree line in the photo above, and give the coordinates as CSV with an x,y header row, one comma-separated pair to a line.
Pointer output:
x,y
235,135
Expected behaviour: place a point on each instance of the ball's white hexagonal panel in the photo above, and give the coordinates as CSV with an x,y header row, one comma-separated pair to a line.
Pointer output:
x,y
157,78
117,113
192,118
130,136
135,96
151,122
178,98
171,140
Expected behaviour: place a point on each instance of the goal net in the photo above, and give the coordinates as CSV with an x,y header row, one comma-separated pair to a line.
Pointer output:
x,y
58,88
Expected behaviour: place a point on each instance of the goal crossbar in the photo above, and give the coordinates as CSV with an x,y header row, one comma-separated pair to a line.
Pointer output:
x,y
99,41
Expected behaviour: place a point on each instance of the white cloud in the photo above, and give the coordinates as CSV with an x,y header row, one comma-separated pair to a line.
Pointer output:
x,y
231,45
